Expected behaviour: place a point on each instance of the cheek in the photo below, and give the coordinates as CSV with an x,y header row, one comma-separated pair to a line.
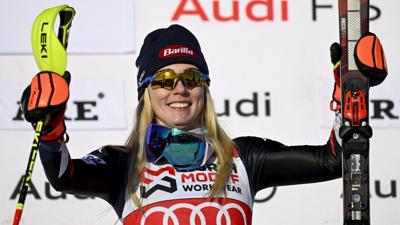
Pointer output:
x,y
157,98
199,97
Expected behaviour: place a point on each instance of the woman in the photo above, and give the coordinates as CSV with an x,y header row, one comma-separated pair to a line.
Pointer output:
x,y
178,166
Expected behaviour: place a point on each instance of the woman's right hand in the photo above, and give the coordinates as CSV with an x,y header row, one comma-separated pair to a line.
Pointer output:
x,y
46,99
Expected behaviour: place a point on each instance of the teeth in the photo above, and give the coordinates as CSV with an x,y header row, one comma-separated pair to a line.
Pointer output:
x,y
179,105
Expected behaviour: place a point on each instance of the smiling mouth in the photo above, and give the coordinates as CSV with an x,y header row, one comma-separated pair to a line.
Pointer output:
x,y
179,105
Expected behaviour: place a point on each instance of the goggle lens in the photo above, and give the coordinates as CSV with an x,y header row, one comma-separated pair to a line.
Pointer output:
x,y
168,79
183,150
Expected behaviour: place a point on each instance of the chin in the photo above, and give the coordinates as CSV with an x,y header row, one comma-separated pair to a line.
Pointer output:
x,y
184,126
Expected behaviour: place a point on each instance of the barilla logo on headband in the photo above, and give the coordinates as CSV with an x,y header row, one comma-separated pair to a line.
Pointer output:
x,y
176,50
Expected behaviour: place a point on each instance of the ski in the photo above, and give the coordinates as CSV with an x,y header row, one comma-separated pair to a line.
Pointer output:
x,y
355,130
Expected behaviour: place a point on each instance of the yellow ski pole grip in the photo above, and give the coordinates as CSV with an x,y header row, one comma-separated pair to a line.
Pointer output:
x,y
49,49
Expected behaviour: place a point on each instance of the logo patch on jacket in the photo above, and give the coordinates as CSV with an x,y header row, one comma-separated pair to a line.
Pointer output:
x,y
158,180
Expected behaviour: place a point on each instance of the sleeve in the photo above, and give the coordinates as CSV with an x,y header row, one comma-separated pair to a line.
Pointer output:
x,y
98,174
270,163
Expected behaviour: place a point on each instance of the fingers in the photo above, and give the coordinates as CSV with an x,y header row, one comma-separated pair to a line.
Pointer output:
x,y
47,90
67,77
370,58
60,90
336,53
48,93
369,52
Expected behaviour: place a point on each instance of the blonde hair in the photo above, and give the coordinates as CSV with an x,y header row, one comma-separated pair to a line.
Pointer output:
x,y
223,146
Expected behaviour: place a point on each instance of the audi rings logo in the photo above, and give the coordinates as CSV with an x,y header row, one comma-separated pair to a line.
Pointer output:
x,y
196,211
193,212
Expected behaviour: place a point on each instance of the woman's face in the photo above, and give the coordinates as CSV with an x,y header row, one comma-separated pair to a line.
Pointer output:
x,y
181,107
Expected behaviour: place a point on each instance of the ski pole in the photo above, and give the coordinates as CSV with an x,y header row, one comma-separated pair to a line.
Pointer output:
x,y
355,130
28,173
50,54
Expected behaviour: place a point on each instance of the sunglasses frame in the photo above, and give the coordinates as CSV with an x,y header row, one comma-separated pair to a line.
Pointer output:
x,y
203,78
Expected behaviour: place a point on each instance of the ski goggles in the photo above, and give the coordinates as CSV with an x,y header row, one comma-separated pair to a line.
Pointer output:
x,y
183,150
168,79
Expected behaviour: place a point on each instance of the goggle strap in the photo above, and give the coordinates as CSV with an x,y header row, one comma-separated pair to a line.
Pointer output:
x,y
146,81
207,154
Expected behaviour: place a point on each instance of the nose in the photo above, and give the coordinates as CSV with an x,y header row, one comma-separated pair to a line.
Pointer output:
x,y
180,89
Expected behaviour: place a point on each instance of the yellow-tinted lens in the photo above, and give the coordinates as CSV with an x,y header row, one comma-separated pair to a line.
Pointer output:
x,y
168,79
191,78
164,79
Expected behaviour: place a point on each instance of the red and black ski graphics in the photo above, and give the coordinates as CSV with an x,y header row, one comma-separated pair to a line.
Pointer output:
x,y
355,130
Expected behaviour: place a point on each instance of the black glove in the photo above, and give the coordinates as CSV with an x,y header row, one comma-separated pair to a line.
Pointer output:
x,y
336,53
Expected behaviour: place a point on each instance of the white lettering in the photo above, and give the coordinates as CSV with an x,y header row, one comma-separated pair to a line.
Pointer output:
x,y
181,50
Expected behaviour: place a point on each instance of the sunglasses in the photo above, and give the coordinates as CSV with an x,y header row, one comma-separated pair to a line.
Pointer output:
x,y
183,150
168,79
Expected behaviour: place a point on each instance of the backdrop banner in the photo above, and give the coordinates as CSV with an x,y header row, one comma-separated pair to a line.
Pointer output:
x,y
98,27
271,77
